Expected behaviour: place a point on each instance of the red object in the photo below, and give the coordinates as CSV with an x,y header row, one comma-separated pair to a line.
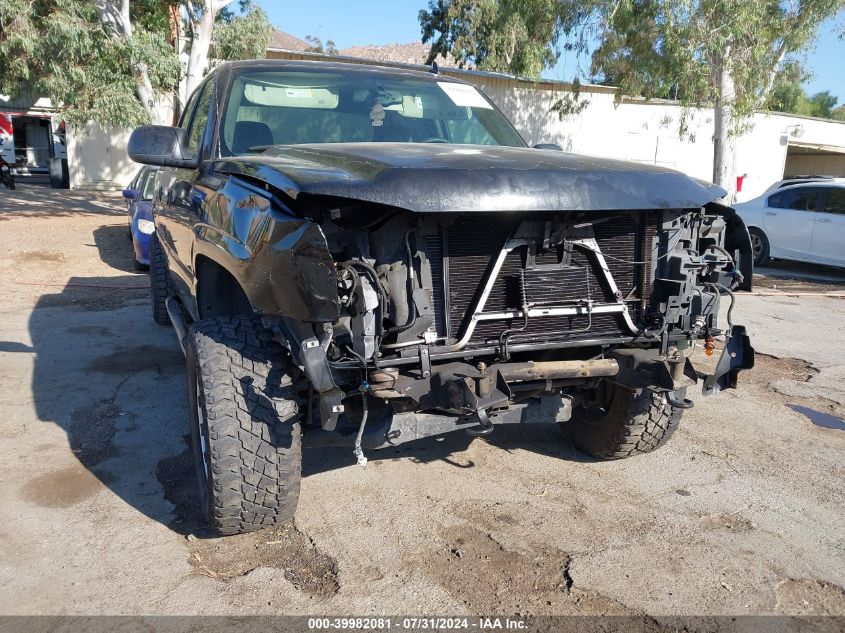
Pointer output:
x,y
6,129
739,180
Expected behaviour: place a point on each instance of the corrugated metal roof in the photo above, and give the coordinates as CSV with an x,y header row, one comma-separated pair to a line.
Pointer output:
x,y
24,101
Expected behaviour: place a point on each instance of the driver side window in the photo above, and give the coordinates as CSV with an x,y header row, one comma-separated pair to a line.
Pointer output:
x,y
200,118
185,119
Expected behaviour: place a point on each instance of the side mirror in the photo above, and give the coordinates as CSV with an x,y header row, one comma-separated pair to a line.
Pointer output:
x,y
161,145
553,146
130,194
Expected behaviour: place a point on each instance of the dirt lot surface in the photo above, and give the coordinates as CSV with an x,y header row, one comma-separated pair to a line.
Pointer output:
x,y
740,513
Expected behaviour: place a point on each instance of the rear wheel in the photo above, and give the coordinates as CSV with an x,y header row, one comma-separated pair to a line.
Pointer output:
x,y
161,285
245,430
629,422
759,246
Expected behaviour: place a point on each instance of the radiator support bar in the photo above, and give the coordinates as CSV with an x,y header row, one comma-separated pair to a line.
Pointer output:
x,y
586,308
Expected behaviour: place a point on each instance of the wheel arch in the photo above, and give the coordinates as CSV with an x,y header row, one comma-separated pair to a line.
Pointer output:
x,y
218,293
289,272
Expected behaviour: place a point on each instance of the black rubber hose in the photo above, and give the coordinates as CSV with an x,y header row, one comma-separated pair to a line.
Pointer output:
x,y
353,276
412,308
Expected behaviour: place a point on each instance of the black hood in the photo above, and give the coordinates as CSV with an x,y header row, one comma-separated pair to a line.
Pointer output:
x,y
436,177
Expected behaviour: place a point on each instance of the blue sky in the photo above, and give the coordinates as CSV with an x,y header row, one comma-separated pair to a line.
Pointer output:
x,y
395,22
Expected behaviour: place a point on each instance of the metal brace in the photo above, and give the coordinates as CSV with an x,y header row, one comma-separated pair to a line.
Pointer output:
x,y
425,361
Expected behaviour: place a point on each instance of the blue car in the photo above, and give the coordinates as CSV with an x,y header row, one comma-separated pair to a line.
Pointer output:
x,y
139,203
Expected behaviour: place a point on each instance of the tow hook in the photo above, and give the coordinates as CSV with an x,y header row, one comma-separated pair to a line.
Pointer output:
x,y
485,426
672,399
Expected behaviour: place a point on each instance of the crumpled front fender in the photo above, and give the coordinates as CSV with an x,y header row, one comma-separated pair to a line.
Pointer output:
x,y
292,274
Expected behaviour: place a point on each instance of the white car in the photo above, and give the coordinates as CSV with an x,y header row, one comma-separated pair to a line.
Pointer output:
x,y
802,180
804,222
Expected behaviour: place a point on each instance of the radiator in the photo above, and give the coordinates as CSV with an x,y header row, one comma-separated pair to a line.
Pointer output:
x,y
462,255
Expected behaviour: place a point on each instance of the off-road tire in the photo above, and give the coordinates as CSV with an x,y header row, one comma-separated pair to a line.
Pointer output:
x,y
239,380
759,246
631,423
161,285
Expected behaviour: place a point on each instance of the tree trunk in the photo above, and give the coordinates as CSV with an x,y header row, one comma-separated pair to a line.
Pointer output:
x,y
114,14
202,28
724,137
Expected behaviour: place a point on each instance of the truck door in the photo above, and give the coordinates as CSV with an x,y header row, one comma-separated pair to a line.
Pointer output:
x,y
182,204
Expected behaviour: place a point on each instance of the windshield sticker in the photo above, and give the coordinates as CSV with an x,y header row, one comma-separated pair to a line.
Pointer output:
x,y
299,93
464,95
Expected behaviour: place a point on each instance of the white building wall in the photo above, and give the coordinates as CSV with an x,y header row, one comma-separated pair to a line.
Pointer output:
x,y
98,158
761,153
649,131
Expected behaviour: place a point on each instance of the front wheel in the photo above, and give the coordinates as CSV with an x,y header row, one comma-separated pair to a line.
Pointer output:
x,y
629,422
244,422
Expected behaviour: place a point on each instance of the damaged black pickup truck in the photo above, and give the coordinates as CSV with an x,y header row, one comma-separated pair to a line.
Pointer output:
x,y
369,256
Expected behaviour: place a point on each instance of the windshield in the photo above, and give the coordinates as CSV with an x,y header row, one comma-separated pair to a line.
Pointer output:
x,y
290,107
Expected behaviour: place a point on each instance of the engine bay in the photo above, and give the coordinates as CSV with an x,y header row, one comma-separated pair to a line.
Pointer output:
x,y
475,314
468,285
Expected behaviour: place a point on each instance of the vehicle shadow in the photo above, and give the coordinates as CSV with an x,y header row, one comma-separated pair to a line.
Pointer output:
x,y
29,199
114,382
803,273
114,245
544,439
179,480
111,380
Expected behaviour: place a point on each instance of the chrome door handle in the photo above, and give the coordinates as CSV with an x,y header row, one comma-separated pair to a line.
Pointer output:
x,y
822,220
768,213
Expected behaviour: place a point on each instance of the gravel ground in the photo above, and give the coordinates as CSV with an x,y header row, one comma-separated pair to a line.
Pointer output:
x,y
740,513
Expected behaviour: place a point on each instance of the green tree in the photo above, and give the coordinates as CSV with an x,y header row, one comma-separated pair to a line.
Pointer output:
x,y
724,54
242,36
516,36
787,93
116,62
58,49
822,103
838,114
315,45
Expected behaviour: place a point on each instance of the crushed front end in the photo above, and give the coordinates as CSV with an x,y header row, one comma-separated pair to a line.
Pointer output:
x,y
473,316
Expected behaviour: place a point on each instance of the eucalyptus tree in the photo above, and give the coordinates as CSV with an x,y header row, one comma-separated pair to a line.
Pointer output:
x,y
119,62
719,54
